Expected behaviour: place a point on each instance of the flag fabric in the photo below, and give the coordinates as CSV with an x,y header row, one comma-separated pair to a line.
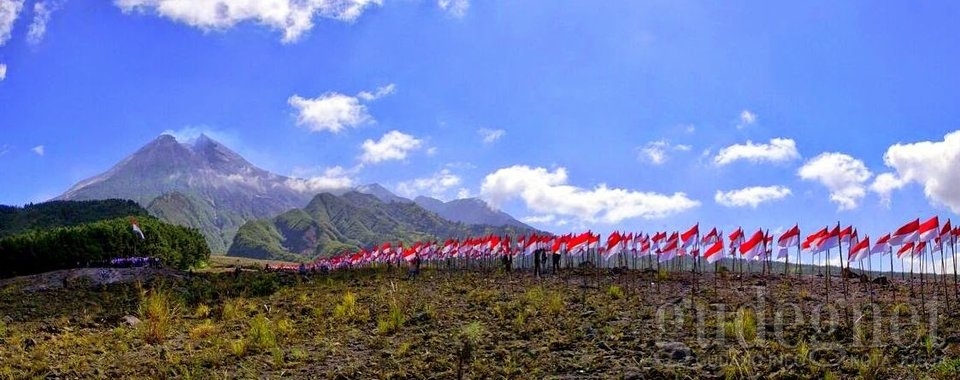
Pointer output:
x,y
715,252
929,229
882,245
908,233
847,234
908,247
669,251
735,237
811,242
689,237
829,241
711,237
945,231
789,237
860,250
136,229
751,247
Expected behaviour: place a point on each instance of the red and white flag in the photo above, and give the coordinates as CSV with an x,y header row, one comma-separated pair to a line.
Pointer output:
x,y
711,237
735,237
689,237
715,252
860,250
882,246
906,248
907,233
751,247
929,229
669,251
136,228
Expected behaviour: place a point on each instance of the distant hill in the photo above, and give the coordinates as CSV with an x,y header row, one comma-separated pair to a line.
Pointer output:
x,y
203,185
469,211
14,220
330,224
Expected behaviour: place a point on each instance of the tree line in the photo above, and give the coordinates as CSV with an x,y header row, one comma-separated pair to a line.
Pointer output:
x,y
41,250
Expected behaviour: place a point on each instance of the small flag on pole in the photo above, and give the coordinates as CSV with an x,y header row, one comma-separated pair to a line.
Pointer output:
x,y
136,228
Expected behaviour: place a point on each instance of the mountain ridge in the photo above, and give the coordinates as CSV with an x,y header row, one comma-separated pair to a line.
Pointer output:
x,y
331,224
204,184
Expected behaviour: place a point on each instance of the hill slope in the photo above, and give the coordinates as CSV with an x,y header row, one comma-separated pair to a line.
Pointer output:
x,y
330,224
469,211
14,220
203,185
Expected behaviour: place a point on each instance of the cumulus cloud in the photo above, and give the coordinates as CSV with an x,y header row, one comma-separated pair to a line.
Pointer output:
x,y
39,150
379,93
334,111
751,196
436,185
747,118
3,71
884,184
491,135
658,152
539,219
844,176
778,150
935,165
394,145
9,11
292,17
333,178
546,191
456,8
41,16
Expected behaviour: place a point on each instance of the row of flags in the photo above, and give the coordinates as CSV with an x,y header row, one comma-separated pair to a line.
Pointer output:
x,y
912,238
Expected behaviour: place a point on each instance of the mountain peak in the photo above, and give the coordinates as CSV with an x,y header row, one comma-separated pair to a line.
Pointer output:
x,y
381,193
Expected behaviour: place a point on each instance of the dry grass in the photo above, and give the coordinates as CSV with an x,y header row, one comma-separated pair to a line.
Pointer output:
x,y
375,324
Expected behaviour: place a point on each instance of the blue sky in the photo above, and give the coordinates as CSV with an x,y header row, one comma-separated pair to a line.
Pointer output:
x,y
566,114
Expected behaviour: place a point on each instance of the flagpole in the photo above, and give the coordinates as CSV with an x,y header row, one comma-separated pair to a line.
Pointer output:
x,y
953,257
943,274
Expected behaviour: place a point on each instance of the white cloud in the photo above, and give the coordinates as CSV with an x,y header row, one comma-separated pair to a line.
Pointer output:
x,y
689,129
436,185
778,150
747,118
658,152
751,196
884,184
463,193
41,16
544,192
293,17
539,219
333,178
456,8
844,176
491,135
3,71
935,165
9,11
39,150
379,93
394,145
334,111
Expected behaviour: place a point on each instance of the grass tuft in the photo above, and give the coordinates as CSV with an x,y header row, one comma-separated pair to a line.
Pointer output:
x,y
261,334
157,312
615,292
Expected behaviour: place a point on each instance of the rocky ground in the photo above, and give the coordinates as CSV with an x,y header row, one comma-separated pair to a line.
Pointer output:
x,y
442,325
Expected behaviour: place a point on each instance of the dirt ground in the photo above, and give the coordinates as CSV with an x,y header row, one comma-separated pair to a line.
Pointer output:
x,y
378,323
